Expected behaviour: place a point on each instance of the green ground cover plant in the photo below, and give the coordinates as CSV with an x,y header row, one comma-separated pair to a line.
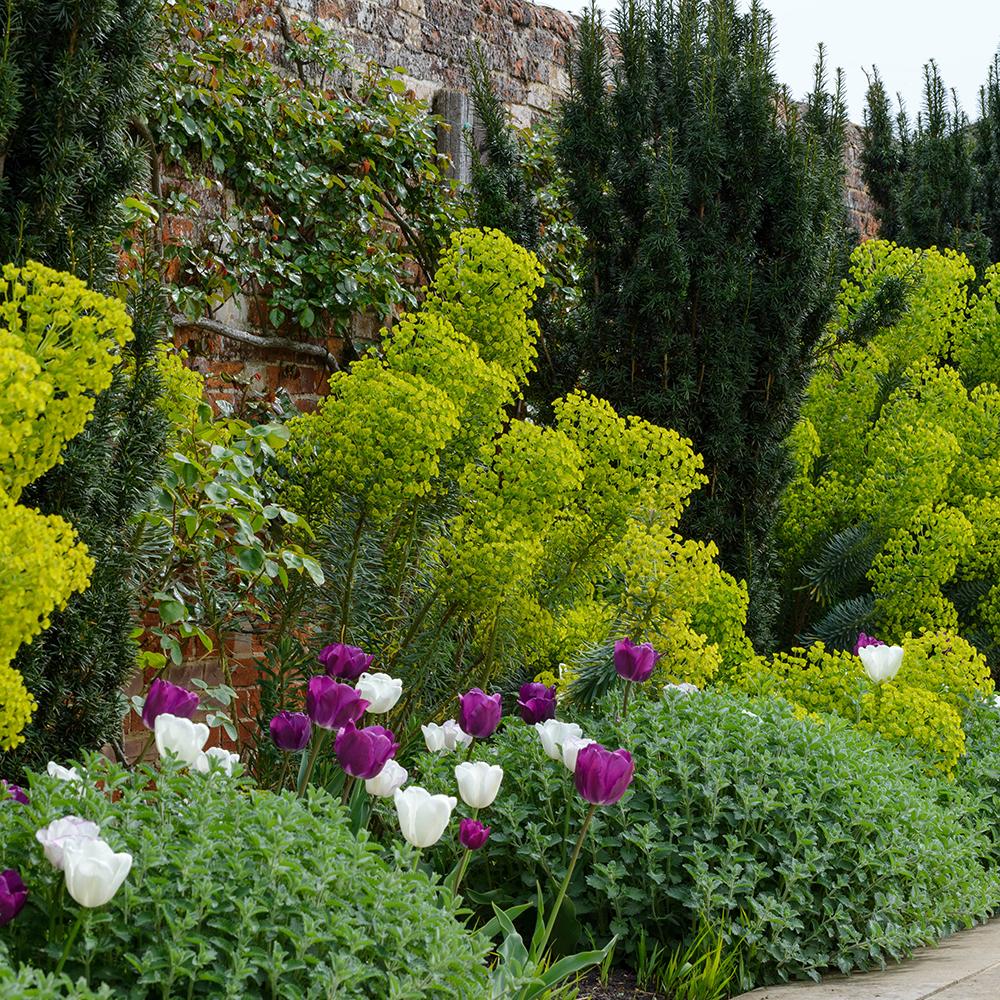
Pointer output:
x,y
232,893
810,844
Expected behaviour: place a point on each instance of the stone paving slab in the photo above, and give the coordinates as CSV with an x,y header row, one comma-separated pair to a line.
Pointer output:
x,y
965,966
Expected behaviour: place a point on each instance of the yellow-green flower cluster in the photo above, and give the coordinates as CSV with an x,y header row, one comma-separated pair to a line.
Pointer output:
x,y
484,286
916,717
900,435
922,705
59,343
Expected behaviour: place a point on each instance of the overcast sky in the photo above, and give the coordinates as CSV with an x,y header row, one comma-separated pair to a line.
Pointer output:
x,y
899,36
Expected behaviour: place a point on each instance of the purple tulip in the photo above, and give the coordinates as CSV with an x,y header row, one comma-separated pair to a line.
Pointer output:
x,y
13,792
291,730
864,641
362,753
537,703
635,663
165,698
340,660
13,894
602,776
472,834
331,705
479,713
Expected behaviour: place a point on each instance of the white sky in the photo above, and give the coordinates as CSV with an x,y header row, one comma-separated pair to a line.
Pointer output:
x,y
898,36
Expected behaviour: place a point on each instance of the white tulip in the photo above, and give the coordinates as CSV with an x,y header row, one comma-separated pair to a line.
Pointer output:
x,y
478,783
552,733
63,773
434,737
60,832
454,735
224,761
996,701
392,777
881,663
181,737
683,688
422,817
571,747
380,691
94,873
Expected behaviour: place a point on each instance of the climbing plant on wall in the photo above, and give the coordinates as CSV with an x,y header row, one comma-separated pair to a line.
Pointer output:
x,y
308,189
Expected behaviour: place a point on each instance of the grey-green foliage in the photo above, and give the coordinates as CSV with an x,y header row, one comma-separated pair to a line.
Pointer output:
x,y
234,893
27,983
811,844
979,770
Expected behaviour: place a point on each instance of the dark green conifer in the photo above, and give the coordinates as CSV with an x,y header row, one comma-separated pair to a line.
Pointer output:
x,y
713,210
73,80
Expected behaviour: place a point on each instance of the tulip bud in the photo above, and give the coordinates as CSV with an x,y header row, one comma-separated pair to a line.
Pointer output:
x,y
13,895
180,737
864,641
362,753
94,873
478,783
385,783
571,748
682,688
380,691
602,776
881,663
215,758
635,663
537,703
472,834
15,793
434,737
453,735
422,817
348,662
170,699
479,713
331,705
291,730
55,770
61,832
552,733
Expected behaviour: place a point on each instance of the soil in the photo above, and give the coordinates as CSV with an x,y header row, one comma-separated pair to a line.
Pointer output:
x,y
621,985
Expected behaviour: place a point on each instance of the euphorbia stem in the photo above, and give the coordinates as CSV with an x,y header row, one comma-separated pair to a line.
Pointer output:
x,y
308,763
565,883
67,947
628,691
345,611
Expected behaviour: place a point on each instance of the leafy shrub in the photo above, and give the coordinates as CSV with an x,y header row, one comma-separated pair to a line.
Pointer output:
x,y
233,893
31,984
463,547
810,843
979,770
893,518
325,185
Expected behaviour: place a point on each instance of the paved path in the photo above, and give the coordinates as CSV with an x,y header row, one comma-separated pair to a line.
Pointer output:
x,y
965,966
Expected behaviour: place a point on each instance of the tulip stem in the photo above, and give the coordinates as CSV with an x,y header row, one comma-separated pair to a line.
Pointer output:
x,y
308,763
145,750
565,883
70,938
468,751
460,874
348,788
628,691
